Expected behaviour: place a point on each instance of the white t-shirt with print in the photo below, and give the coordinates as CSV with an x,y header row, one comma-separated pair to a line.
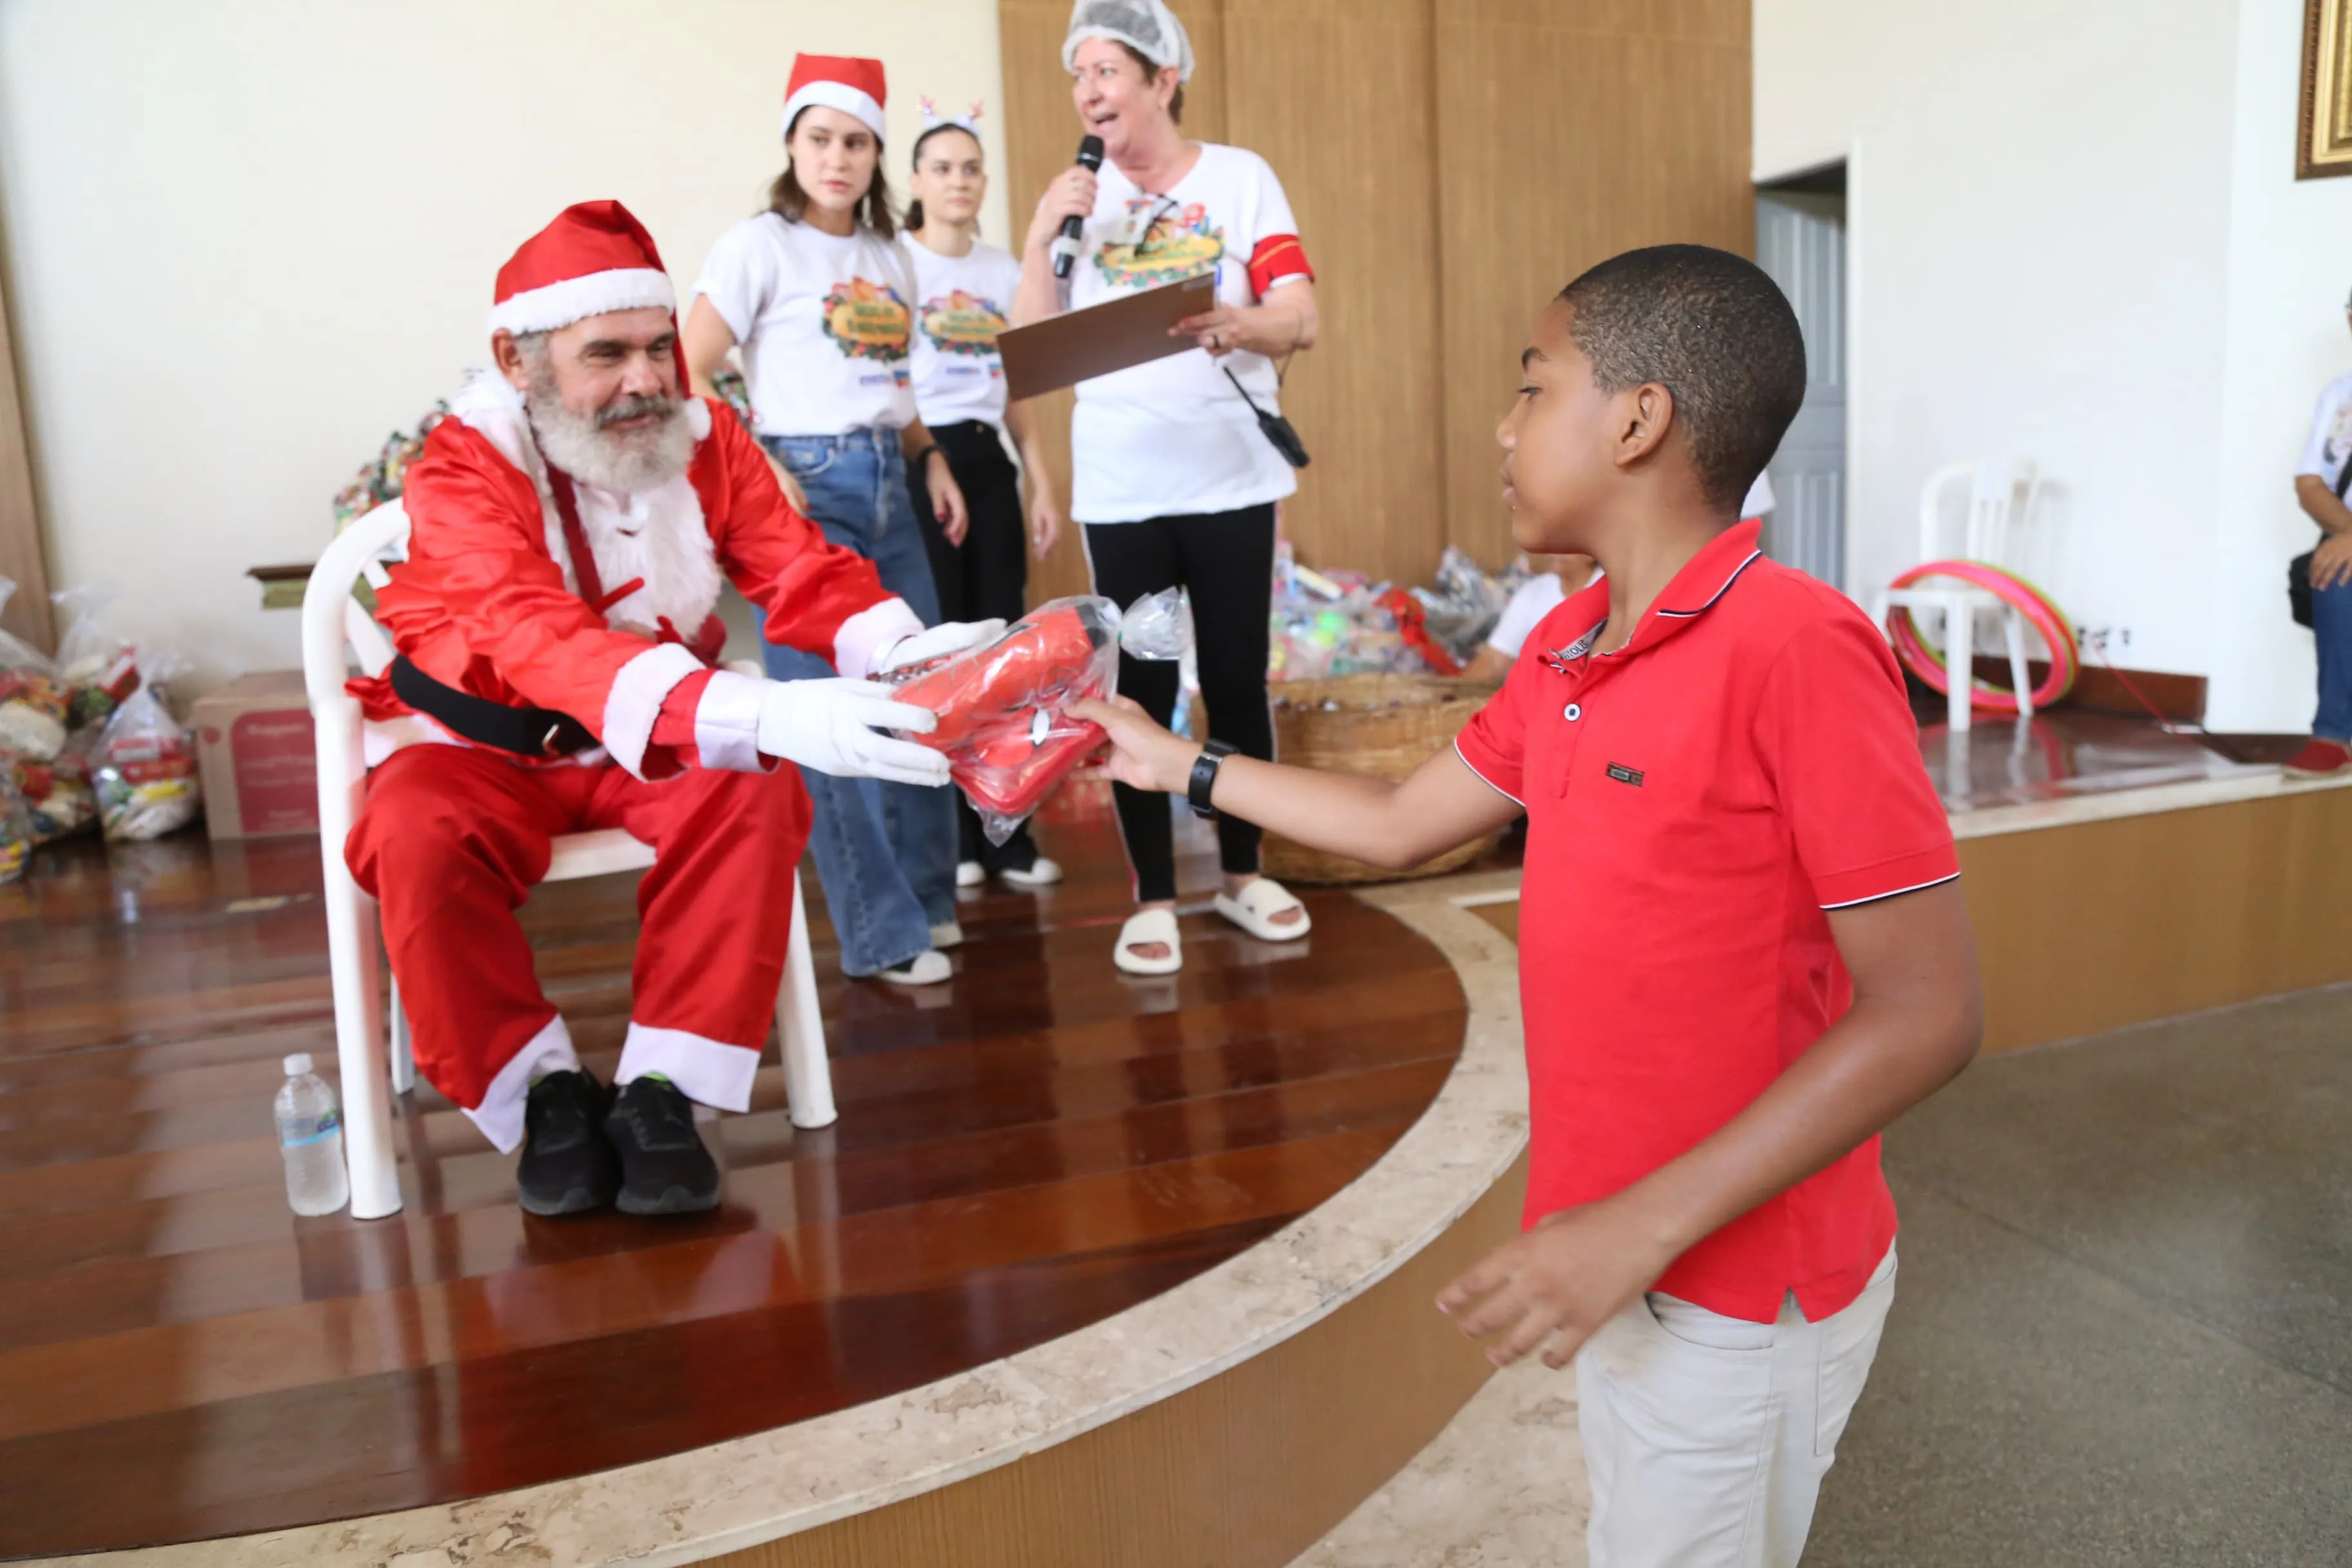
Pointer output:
x,y
2331,434
824,323
1173,436
960,303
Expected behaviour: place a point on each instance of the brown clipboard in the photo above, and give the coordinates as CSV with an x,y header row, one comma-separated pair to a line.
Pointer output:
x,y
1131,329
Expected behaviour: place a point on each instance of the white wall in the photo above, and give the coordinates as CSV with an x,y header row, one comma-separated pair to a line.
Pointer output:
x,y
2074,236
248,239
2290,268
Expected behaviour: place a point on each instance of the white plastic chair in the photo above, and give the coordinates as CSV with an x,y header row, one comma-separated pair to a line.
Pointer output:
x,y
332,619
1994,487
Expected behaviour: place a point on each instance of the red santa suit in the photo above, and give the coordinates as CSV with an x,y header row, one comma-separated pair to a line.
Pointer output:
x,y
489,606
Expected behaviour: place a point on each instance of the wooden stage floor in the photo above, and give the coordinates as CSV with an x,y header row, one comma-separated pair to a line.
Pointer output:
x,y
1035,1145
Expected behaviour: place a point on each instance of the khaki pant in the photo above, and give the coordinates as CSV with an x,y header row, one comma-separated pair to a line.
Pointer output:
x,y
1708,1436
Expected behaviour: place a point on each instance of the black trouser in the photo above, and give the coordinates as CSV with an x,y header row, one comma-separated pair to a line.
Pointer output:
x,y
1225,560
987,574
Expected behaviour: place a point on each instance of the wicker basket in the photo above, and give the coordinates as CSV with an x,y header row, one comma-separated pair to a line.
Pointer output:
x,y
1381,725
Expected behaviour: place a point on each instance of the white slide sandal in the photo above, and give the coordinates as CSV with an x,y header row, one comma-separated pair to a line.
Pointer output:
x,y
1149,926
1256,905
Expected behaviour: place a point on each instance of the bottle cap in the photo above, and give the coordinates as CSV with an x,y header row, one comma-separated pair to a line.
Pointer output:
x,y
298,1064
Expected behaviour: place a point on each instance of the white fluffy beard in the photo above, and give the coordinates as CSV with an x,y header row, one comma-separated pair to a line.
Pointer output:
x,y
623,462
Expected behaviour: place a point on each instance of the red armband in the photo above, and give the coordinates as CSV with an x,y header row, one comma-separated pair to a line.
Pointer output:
x,y
1278,257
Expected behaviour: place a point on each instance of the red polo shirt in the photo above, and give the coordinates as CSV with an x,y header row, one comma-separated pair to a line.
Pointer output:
x,y
1696,802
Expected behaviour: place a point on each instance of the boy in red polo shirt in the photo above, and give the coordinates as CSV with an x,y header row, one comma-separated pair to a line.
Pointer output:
x,y
1734,846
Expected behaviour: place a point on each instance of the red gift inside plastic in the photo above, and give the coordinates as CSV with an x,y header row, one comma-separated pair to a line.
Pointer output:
x,y
1002,707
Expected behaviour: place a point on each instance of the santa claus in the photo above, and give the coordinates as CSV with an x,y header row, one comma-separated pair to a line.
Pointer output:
x,y
556,634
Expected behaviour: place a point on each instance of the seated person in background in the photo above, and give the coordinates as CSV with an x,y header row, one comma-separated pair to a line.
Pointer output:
x,y
1742,945
556,636
1557,576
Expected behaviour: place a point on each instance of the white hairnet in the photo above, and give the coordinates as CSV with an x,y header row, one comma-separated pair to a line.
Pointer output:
x,y
1147,26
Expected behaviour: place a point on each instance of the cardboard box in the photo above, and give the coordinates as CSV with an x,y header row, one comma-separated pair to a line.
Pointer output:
x,y
255,747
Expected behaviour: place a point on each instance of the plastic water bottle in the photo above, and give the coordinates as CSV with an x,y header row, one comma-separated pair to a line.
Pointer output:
x,y
310,1136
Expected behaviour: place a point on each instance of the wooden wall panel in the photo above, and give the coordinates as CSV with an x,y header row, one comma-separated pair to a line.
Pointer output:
x,y
21,559
1567,133
1040,135
1338,96
2104,925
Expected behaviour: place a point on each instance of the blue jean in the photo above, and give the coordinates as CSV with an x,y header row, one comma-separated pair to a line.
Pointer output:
x,y
884,852
2331,627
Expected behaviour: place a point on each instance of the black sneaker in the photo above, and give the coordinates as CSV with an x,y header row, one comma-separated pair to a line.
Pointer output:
x,y
664,1169
567,1165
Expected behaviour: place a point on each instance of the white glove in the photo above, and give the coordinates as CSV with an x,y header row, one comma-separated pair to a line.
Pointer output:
x,y
830,725
939,642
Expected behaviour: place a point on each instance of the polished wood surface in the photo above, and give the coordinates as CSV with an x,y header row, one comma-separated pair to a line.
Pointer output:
x,y
1246,1470
1568,130
1035,1145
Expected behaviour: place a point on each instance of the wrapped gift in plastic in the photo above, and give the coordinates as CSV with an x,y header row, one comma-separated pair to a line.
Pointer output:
x,y
95,663
32,697
1461,610
58,796
146,762
16,825
1003,714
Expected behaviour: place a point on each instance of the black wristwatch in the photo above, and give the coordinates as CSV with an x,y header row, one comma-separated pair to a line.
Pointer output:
x,y
1204,778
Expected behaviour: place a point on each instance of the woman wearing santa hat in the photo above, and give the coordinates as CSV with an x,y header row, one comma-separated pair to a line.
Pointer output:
x,y
963,286
818,297
1175,480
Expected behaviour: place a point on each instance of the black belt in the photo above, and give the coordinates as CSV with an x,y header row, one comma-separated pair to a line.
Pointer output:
x,y
525,732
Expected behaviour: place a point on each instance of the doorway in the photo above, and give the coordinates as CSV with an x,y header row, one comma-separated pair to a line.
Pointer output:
x,y
1800,245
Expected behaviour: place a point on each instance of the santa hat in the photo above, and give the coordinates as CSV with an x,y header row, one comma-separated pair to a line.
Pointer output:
x,y
856,87
594,258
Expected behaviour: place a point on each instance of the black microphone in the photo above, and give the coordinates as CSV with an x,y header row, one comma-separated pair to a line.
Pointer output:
x,y
1066,247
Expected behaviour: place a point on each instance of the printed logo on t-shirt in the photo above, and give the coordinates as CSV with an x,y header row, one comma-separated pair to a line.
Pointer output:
x,y
867,321
964,323
2339,433
1175,244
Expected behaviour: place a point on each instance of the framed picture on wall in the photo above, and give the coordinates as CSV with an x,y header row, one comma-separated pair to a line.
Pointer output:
x,y
2326,144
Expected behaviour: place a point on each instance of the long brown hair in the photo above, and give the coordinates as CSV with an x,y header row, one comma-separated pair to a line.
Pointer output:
x,y
789,202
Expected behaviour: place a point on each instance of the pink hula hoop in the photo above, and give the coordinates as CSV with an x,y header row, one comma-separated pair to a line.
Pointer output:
x,y
2040,612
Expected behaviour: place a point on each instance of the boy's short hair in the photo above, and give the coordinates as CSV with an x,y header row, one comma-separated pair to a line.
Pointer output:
x,y
1713,329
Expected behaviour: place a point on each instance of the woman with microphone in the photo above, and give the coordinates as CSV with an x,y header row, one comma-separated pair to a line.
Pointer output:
x,y
1174,480
816,293
962,289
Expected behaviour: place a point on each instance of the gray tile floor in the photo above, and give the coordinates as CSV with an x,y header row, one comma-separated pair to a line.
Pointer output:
x,y
2124,1328
2123,1332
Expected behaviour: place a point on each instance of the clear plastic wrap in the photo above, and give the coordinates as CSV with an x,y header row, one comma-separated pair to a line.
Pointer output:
x,y
95,663
146,762
58,796
32,697
1337,623
1003,709
1461,610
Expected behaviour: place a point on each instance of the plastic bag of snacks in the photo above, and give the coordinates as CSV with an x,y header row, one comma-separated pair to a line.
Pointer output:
x,y
15,826
1003,709
1337,623
380,480
146,764
96,664
1462,609
58,796
32,699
